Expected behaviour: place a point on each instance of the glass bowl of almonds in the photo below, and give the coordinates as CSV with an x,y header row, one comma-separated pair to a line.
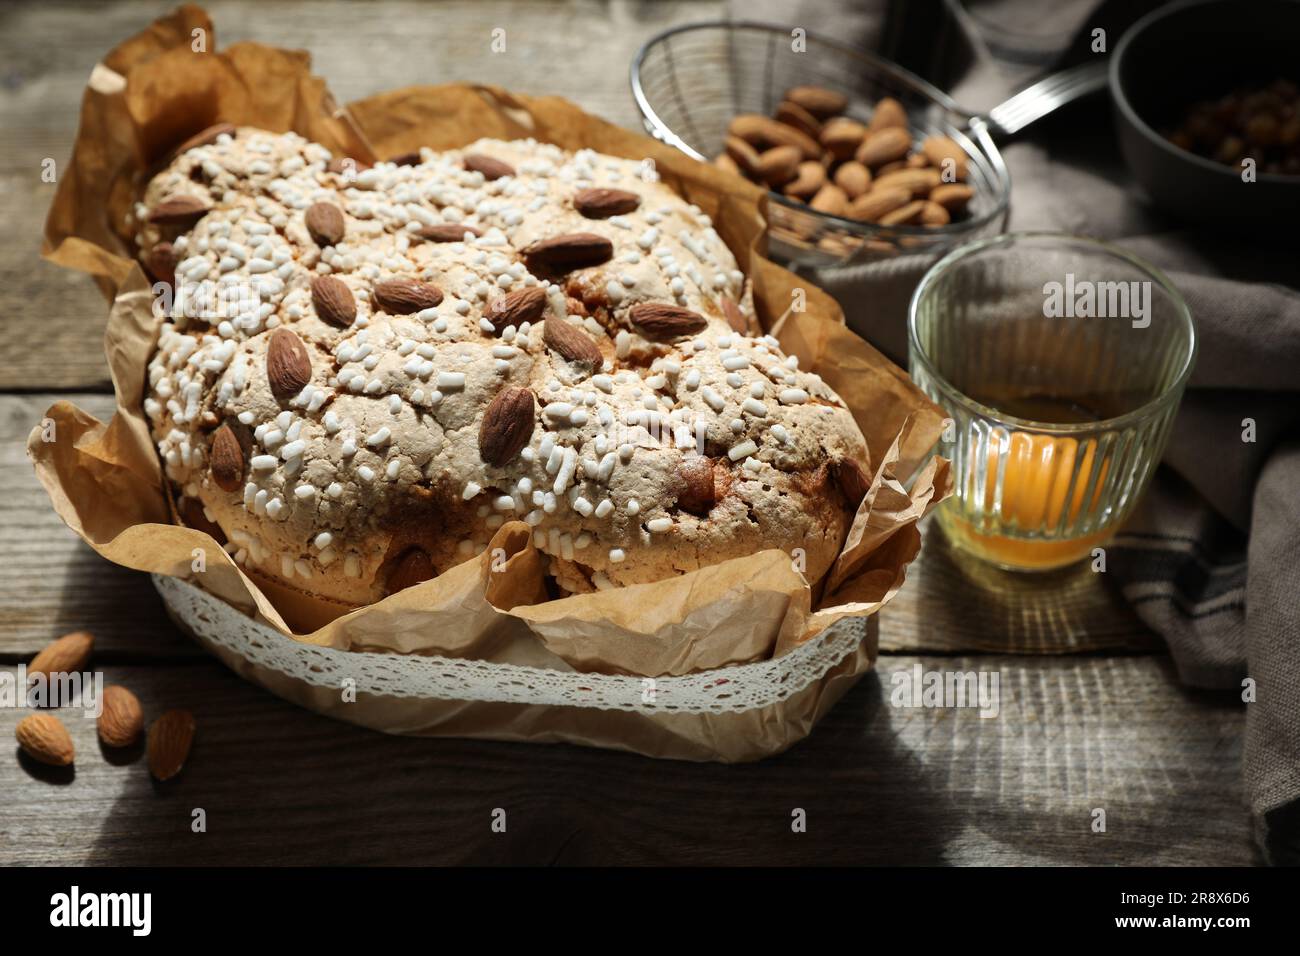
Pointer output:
x,y
863,160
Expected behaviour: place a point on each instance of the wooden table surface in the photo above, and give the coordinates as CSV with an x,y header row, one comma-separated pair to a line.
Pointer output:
x,y
1092,715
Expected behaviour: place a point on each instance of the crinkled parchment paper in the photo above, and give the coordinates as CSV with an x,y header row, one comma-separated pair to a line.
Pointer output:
x,y
105,480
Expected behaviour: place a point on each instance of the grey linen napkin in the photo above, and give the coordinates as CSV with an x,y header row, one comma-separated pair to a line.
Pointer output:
x,y
1212,559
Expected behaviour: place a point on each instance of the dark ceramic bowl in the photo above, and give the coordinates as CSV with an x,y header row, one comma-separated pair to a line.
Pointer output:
x,y
1188,52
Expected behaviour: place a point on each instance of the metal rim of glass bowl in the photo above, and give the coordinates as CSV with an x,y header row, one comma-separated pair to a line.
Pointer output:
x,y
976,131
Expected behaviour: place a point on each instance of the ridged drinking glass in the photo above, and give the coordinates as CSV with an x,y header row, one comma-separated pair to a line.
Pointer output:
x,y
1061,362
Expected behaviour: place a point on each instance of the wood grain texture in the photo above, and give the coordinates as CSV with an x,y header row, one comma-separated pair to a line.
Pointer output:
x,y
52,583
879,784
953,602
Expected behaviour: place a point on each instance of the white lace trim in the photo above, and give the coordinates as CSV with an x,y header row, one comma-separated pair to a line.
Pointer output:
x,y
734,689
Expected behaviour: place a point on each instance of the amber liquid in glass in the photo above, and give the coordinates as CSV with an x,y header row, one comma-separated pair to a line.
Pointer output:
x,y
1037,493
1058,409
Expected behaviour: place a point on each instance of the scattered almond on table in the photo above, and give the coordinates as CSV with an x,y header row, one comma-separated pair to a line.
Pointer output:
x,y
44,738
67,655
170,738
122,718
873,172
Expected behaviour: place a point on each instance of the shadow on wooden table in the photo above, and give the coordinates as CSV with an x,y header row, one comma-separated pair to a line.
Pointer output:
x,y
876,784
971,605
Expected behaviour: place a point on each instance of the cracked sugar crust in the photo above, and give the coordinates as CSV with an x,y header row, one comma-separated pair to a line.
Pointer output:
x,y
377,458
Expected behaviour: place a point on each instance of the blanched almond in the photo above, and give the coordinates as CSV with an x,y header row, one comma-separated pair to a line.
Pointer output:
x,y
952,196
842,136
810,177
830,199
778,165
918,182
818,100
888,112
878,201
932,214
792,114
884,146
904,215
946,156
853,178
743,155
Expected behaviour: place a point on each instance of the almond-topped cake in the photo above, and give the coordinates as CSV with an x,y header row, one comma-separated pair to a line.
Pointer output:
x,y
365,371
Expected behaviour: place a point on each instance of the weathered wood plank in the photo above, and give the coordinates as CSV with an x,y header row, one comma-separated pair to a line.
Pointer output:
x,y
879,784
953,602
51,318
52,583
580,50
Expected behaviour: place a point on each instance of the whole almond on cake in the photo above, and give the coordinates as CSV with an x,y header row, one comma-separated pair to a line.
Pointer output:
x,y
288,367
227,459
325,223
333,301
527,334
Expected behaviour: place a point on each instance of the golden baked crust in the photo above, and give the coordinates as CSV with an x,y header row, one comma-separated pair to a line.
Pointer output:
x,y
508,331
